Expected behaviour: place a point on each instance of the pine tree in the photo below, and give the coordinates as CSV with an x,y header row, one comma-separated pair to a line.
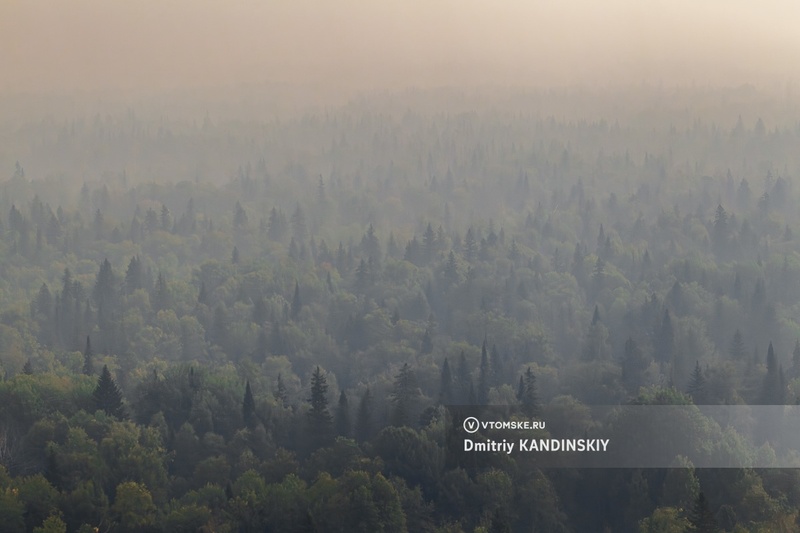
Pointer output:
x,y
297,304
701,518
665,340
427,343
280,392
319,417
107,395
27,368
446,384
484,377
404,396
697,385
343,416
249,407
737,350
161,294
364,417
88,358
134,277
772,390
530,398
634,366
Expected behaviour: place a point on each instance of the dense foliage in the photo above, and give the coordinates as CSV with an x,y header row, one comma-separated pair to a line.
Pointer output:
x,y
269,350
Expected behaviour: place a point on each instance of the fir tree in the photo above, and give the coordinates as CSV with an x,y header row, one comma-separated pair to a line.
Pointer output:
x,y
530,398
701,518
484,377
343,416
403,396
249,407
665,340
737,350
446,384
107,395
697,385
88,358
27,368
364,417
280,392
297,305
319,417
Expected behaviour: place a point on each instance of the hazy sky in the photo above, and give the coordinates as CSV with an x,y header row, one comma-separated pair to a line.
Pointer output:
x,y
58,45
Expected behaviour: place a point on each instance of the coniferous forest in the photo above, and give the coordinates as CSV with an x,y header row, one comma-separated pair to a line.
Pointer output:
x,y
222,324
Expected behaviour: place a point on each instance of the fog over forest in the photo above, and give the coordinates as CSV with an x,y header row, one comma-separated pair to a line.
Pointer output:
x,y
259,260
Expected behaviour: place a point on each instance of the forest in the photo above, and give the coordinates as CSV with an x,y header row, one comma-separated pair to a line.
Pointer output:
x,y
226,324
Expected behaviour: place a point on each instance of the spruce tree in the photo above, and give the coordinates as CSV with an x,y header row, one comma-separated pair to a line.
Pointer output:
x,y
484,377
697,385
249,407
88,358
343,416
701,518
446,384
297,305
319,417
364,416
737,350
530,398
665,340
403,396
107,395
280,392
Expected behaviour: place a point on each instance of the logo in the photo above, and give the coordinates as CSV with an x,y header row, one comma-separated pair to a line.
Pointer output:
x,y
471,424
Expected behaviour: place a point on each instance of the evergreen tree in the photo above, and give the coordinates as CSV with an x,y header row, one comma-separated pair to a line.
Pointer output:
x,y
297,304
364,416
88,358
161,294
343,416
27,368
484,377
530,398
249,407
737,350
701,518
107,395
403,396
697,385
319,417
427,343
134,276
634,366
280,392
772,389
665,340
446,384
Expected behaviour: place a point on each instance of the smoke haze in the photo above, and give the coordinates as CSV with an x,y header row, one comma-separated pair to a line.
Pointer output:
x,y
56,46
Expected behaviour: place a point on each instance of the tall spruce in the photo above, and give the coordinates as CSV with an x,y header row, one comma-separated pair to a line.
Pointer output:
x,y
701,518
364,416
107,396
403,396
697,385
319,417
342,423
530,397
249,407
88,358
446,384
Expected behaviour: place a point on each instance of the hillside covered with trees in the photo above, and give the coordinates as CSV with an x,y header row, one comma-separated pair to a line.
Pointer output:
x,y
219,324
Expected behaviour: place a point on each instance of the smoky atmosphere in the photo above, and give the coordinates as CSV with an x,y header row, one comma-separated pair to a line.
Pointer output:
x,y
401,266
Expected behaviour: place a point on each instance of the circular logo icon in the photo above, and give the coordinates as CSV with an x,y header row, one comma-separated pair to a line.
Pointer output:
x,y
471,424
